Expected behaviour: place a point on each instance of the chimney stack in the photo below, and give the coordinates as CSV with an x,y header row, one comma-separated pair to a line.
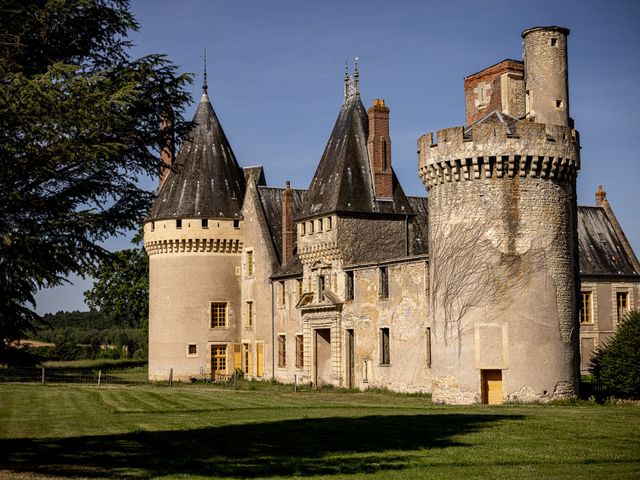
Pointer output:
x,y
379,146
168,146
601,196
287,223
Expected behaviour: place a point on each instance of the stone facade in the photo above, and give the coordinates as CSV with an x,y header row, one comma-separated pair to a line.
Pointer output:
x,y
473,295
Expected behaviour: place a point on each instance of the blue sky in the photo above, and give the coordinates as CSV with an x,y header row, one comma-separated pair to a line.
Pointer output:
x,y
276,67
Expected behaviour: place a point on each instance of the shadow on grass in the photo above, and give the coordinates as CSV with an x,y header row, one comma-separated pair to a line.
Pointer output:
x,y
320,446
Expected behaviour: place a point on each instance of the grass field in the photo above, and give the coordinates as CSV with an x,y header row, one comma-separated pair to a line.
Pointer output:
x,y
200,431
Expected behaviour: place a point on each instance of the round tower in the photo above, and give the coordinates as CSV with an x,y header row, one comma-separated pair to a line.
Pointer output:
x,y
546,75
503,256
194,241
503,248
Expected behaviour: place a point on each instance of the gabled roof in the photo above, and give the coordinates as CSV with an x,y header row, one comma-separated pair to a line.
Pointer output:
x,y
601,251
206,180
342,182
496,116
271,201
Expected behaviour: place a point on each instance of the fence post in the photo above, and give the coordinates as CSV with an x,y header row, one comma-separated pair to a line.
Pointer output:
x,y
99,376
295,382
171,377
42,376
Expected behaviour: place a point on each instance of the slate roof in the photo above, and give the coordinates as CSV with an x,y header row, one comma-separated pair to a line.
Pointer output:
x,y
271,201
495,116
420,225
601,251
207,181
342,182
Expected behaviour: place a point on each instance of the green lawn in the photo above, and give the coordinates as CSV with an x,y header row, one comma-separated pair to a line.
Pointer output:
x,y
198,431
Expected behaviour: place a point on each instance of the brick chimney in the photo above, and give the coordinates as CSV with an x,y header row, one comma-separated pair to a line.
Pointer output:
x,y
168,149
287,223
379,146
601,196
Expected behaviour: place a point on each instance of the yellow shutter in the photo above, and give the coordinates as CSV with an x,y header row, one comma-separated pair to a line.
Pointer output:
x,y
237,356
250,360
260,359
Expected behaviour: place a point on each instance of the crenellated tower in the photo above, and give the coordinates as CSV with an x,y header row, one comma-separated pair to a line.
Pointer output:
x,y
193,238
503,249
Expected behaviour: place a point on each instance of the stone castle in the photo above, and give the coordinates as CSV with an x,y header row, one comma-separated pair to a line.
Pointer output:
x,y
485,291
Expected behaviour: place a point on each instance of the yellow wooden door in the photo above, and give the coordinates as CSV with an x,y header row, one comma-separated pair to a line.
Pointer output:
x,y
492,387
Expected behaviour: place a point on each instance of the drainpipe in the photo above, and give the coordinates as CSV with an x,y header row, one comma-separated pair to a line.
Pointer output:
x,y
273,334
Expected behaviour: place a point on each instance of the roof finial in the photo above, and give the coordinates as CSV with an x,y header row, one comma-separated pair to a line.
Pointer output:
x,y
204,83
346,79
356,77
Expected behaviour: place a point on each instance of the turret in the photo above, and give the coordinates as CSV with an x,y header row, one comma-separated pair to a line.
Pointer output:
x,y
546,77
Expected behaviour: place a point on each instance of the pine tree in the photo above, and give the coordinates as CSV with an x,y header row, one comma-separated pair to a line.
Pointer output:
x,y
79,126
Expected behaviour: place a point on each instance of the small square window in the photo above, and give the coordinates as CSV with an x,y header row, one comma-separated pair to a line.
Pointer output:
x,y
559,103
205,223
192,349
178,223
236,224
554,42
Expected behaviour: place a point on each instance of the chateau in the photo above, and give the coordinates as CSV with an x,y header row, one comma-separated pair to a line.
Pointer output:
x,y
485,291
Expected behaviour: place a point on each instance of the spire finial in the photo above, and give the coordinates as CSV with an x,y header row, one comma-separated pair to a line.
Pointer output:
x,y
356,77
204,83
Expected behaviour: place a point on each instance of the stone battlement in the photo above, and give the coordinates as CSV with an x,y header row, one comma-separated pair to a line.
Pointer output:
x,y
496,150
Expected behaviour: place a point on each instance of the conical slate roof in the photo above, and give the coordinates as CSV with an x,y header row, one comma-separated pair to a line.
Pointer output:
x,y
343,182
207,181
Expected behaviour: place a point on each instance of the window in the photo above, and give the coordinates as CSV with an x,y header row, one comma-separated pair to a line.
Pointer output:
x,y
218,314
178,223
311,227
558,103
303,229
249,314
153,226
329,223
299,351
385,358
205,223
383,292
348,286
320,287
249,265
622,302
320,225
246,359
192,349
218,360
585,310
236,224
283,293
282,351
299,288
554,42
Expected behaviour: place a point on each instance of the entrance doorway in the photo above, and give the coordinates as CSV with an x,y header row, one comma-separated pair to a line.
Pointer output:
x,y
323,356
491,386
218,361
350,358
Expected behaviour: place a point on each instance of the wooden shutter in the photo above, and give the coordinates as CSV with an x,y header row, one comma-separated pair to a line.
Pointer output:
x,y
237,356
249,360
260,359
